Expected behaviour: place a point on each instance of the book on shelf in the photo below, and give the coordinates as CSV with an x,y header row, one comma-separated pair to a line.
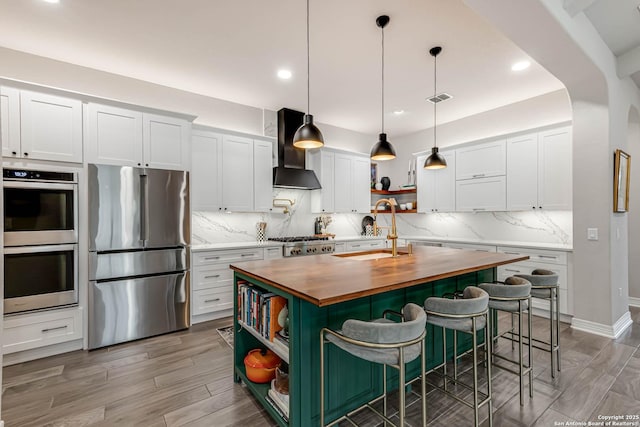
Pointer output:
x,y
281,401
259,309
276,406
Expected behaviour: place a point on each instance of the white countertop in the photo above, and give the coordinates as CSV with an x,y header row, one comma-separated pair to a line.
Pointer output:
x,y
533,245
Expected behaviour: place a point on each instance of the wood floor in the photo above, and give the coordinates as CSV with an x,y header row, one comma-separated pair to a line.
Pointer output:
x,y
185,378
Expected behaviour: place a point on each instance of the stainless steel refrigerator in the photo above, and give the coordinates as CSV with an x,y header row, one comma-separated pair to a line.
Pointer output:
x,y
139,230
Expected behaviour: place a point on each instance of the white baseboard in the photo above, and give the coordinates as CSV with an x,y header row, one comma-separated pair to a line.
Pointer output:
x,y
633,302
612,332
564,318
1,423
40,352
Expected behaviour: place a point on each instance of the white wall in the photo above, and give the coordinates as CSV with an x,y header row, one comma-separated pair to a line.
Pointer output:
x,y
553,107
600,102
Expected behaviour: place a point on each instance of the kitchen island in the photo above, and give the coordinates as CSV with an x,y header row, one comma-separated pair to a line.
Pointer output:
x,y
323,291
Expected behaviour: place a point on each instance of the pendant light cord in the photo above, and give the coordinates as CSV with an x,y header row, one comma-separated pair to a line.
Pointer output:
x,y
308,67
435,91
382,88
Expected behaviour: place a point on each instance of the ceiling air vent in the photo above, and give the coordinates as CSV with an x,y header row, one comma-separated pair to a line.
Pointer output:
x,y
439,98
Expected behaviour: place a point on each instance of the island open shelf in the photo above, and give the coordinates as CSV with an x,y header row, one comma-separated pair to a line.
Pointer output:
x,y
324,291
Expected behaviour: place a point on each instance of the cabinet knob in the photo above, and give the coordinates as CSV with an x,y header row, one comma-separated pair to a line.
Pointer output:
x,y
225,209
146,164
534,207
26,154
14,153
139,164
539,207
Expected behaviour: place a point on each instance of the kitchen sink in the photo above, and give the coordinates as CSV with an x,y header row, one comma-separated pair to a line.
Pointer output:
x,y
373,254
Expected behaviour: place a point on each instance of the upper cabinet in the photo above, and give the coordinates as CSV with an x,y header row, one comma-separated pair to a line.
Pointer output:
x,y
345,178
539,170
437,187
480,177
481,160
230,173
40,126
126,137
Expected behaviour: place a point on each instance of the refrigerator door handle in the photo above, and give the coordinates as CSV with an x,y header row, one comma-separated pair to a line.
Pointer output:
x,y
144,208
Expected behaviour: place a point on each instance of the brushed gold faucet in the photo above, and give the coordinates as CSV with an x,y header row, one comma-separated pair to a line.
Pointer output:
x,y
392,234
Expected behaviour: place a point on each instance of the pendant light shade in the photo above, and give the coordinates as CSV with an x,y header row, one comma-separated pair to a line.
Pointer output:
x,y
435,160
308,135
382,150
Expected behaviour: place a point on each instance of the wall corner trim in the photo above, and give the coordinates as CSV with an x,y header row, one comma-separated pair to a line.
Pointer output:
x,y
612,332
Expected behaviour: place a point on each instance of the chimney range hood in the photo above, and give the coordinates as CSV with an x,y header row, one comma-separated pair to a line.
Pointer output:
x,y
291,172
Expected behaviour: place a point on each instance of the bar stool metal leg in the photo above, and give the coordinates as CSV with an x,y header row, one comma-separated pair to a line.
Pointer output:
x,y
558,327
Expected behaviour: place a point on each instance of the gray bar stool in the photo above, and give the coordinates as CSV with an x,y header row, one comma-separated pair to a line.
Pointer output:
x,y
544,285
514,297
386,342
469,315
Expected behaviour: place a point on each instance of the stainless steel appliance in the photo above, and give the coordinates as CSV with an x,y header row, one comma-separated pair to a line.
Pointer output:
x,y
40,211
138,262
40,207
305,245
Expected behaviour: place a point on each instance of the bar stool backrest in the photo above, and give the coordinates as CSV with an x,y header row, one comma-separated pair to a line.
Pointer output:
x,y
413,326
541,277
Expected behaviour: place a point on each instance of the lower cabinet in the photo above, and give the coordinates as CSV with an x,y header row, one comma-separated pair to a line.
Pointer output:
x,y
32,330
556,261
212,279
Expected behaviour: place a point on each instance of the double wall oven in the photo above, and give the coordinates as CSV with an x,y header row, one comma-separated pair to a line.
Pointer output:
x,y
40,239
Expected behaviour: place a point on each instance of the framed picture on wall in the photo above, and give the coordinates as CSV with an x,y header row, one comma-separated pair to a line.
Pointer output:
x,y
621,176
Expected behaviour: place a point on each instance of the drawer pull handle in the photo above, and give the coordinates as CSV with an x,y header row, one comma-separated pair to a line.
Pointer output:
x,y
511,269
355,246
244,255
211,257
512,253
478,209
55,329
548,256
212,300
478,175
212,277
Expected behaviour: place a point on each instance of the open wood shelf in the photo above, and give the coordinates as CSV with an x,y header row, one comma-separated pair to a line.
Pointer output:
x,y
391,192
277,348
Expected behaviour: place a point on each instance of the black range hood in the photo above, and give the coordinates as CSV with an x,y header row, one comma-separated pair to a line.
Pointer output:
x,y
291,172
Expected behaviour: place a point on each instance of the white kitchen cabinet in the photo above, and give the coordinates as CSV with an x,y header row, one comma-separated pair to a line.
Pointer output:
x,y
273,252
113,135
539,170
481,194
345,179
556,261
481,160
212,288
10,121
522,172
262,176
123,137
436,188
322,162
165,142
41,126
206,179
352,191
236,163
555,169
34,330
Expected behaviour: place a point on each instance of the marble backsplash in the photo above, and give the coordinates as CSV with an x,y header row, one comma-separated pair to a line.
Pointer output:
x,y
535,226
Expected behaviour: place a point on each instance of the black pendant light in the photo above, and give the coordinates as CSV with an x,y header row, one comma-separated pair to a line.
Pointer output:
x,y
308,135
435,160
382,150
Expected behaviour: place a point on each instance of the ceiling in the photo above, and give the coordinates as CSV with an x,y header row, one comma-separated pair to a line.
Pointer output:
x,y
618,23
232,49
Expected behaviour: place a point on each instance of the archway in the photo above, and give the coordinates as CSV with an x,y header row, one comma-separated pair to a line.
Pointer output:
x,y
633,147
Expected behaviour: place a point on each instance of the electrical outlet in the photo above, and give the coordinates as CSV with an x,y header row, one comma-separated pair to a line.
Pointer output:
x,y
592,234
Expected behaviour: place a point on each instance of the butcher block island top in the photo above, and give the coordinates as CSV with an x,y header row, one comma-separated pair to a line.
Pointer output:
x,y
329,279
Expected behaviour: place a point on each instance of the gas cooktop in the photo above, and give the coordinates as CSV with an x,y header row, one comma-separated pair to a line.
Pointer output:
x,y
298,238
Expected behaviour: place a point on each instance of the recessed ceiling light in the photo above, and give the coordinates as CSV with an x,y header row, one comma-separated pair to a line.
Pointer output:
x,y
51,1
519,66
398,112
284,74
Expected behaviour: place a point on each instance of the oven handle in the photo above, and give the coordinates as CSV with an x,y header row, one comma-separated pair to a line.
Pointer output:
x,y
39,185
39,249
